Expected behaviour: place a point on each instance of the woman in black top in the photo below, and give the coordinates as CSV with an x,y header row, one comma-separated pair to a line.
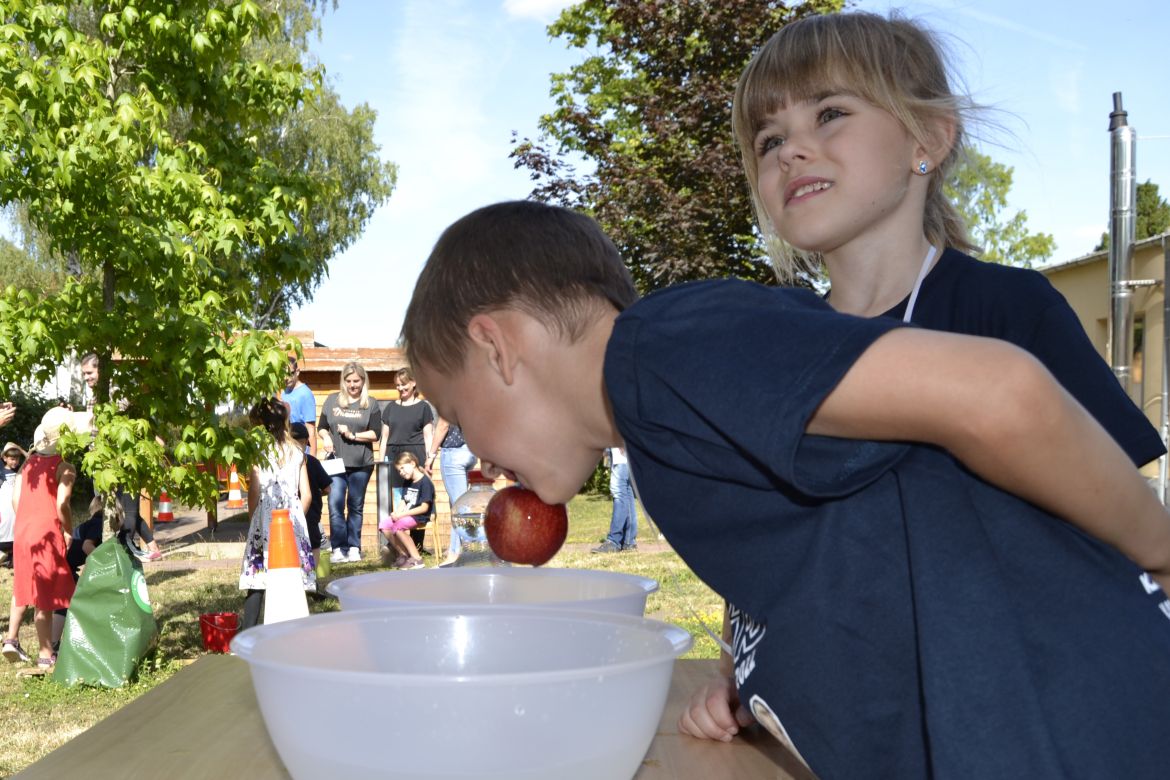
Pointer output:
x,y
348,428
408,425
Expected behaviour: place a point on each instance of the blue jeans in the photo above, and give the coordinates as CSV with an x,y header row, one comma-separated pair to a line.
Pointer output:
x,y
454,463
348,492
623,525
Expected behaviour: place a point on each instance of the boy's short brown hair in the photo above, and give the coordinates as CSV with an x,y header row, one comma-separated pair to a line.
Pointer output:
x,y
549,262
406,457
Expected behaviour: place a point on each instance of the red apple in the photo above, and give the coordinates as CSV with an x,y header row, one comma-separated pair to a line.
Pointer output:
x,y
523,529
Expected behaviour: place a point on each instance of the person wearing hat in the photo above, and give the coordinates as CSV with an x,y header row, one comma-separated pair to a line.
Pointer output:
x,y
44,522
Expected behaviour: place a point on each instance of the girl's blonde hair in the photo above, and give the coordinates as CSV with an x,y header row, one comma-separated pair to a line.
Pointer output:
x,y
354,367
892,63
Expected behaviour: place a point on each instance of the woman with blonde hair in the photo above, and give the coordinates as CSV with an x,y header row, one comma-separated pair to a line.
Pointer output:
x,y
349,425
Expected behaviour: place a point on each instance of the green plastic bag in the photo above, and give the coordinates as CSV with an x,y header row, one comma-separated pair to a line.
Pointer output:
x,y
110,624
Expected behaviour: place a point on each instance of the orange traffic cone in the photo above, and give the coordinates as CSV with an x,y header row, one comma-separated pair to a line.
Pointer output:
x,y
165,515
235,497
284,598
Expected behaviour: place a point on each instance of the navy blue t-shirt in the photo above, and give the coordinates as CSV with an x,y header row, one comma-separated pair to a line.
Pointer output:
x,y
90,530
965,295
419,492
319,479
900,617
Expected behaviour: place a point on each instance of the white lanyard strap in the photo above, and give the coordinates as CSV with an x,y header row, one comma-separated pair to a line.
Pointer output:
x,y
918,284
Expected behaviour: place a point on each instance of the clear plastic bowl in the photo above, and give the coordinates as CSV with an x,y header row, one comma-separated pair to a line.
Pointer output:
x,y
602,591
482,692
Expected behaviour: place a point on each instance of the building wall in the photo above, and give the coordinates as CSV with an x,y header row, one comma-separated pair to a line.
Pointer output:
x,y
1085,284
321,371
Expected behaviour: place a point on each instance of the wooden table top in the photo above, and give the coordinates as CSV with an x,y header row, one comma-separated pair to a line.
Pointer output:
x,y
205,723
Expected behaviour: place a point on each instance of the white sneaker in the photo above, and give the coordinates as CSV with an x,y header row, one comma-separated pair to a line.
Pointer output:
x,y
337,557
355,555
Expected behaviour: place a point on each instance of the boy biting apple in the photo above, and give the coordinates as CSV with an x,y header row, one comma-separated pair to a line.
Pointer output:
x,y
959,606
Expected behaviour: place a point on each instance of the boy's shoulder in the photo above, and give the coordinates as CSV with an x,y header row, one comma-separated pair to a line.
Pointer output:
x,y
708,288
719,296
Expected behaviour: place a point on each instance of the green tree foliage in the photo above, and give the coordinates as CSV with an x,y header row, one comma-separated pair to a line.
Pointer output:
x,y
649,113
319,138
132,133
979,188
649,110
22,269
1153,215
31,406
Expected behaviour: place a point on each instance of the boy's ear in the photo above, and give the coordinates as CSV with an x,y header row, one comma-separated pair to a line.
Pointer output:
x,y
494,343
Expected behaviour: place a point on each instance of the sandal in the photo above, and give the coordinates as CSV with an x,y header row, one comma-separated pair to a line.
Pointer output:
x,y
14,652
42,667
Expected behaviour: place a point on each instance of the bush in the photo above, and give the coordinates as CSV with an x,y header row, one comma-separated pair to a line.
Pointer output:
x,y
598,483
31,406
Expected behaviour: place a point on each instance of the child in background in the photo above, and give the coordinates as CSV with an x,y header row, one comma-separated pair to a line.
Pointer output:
x,y
319,484
848,128
85,539
899,611
12,456
281,482
418,501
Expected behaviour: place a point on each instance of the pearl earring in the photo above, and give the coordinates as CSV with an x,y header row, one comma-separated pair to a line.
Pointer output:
x,y
923,167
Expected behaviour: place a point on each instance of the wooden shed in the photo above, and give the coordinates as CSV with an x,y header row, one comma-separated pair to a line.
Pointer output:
x,y
321,371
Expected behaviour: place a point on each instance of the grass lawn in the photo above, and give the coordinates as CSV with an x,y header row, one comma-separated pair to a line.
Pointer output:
x,y
39,715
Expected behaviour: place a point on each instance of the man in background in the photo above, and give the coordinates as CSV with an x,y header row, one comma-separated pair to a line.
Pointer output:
x,y
302,404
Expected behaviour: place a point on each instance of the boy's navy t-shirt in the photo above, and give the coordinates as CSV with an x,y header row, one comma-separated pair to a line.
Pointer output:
x,y
965,295
897,615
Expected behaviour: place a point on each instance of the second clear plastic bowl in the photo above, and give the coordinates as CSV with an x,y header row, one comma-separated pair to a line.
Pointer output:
x,y
583,589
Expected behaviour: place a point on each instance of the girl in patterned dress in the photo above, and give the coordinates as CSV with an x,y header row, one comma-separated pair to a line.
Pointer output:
x,y
282,482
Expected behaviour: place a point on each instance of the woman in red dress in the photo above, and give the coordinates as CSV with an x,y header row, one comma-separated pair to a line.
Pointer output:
x,y
44,523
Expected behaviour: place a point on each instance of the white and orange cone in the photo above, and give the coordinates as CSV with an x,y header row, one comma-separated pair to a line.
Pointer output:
x,y
235,497
284,598
165,515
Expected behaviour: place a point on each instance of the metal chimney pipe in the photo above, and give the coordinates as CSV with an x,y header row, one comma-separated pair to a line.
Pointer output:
x,y
1122,229
1164,461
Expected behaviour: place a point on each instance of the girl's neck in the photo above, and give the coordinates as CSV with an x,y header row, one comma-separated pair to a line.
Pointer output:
x,y
411,401
869,281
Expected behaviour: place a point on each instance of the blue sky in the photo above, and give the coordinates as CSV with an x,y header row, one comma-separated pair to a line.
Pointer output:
x,y
451,80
